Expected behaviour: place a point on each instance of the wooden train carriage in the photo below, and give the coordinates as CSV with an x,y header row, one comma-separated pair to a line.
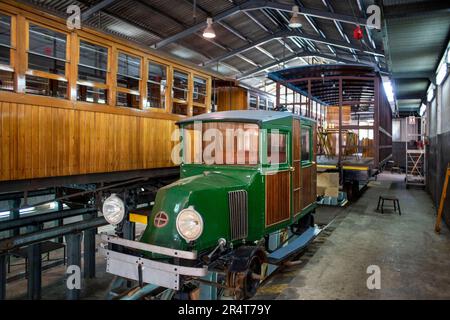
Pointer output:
x,y
82,102
353,113
231,96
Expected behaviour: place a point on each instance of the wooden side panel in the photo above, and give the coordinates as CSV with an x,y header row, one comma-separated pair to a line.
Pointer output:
x,y
38,142
232,98
278,196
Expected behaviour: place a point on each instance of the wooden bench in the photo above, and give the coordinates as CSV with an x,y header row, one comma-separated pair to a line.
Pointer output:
x,y
395,201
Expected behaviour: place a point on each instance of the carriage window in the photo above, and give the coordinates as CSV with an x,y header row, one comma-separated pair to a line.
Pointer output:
x,y
199,90
276,148
129,72
262,103
5,40
46,62
156,86
128,80
270,106
47,50
6,75
306,144
92,68
221,143
253,101
180,92
93,62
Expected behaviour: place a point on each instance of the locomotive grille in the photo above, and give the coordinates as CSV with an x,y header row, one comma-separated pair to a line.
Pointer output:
x,y
238,203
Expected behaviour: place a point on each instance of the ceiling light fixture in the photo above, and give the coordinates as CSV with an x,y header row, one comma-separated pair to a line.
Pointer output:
x,y
209,30
295,20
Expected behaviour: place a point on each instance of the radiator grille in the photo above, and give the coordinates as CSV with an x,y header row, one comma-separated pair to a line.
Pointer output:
x,y
238,203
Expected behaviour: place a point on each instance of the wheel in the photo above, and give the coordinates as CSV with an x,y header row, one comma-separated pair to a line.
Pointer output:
x,y
246,283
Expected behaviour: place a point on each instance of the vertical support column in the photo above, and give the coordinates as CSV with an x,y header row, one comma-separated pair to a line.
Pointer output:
x,y
340,123
3,261
278,94
308,108
89,249
60,221
129,230
34,267
89,253
15,214
73,259
376,126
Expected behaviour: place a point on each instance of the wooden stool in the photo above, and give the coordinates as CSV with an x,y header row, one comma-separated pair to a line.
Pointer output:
x,y
381,200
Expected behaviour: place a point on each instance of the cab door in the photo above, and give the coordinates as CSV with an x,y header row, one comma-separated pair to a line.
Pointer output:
x,y
277,179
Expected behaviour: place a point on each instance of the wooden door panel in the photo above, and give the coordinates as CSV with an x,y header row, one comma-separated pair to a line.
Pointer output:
x,y
296,163
306,190
278,194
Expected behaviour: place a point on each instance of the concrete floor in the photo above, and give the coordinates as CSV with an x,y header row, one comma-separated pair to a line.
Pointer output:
x,y
413,259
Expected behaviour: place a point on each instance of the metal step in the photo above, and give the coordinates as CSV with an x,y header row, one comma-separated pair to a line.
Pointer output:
x,y
293,246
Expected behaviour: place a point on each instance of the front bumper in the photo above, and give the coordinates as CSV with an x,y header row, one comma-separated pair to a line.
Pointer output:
x,y
148,271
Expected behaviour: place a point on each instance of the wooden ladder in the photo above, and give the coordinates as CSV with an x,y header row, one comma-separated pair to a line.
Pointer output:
x,y
437,227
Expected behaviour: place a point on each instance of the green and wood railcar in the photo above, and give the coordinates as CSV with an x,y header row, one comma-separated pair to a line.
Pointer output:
x,y
237,214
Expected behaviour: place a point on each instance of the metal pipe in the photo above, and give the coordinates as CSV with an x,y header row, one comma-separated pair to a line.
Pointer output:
x,y
26,239
42,218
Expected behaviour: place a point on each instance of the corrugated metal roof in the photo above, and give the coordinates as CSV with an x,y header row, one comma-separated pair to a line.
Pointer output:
x,y
149,21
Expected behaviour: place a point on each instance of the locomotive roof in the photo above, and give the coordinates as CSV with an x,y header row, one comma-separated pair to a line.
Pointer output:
x,y
252,116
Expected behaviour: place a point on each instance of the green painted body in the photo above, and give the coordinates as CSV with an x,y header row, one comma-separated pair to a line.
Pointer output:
x,y
206,188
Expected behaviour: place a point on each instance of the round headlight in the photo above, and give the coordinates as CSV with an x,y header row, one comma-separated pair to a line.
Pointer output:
x,y
113,209
189,224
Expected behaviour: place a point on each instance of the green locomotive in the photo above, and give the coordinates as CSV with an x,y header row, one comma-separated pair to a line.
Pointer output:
x,y
243,206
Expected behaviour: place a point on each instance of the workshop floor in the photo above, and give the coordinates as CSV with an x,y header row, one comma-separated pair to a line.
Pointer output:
x,y
413,259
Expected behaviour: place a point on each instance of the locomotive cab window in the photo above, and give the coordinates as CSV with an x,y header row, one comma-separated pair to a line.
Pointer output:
x,y
306,137
221,143
276,148
6,71
92,73
128,80
47,63
156,86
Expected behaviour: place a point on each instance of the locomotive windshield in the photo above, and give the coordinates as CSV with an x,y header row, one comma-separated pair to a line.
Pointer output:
x,y
220,143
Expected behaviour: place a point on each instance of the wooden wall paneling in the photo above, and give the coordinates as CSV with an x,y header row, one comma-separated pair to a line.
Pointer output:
x,y
5,135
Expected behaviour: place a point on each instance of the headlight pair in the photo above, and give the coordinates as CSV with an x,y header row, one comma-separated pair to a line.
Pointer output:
x,y
189,222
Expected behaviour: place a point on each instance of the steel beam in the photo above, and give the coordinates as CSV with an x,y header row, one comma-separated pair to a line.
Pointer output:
x,y
291,34
259,5
41,218
297,55
51,233
73,241
96,8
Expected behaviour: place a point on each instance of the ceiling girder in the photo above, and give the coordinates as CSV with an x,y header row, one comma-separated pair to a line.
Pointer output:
x,y
258,5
